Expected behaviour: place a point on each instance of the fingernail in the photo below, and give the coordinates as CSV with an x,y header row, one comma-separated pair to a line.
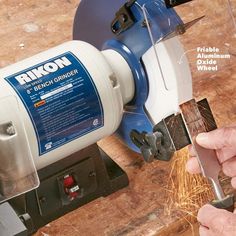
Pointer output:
x,y
202,138
191,166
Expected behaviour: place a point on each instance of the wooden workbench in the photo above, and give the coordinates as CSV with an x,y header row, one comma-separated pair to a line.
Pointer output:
x,y
28,27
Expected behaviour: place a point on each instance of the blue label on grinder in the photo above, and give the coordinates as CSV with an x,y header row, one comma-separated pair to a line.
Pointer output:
x,y
61,99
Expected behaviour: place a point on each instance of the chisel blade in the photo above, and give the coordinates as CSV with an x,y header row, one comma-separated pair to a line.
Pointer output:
x,y
209,164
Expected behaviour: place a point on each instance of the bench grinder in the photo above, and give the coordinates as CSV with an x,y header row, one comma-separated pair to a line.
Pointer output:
x,y
57,104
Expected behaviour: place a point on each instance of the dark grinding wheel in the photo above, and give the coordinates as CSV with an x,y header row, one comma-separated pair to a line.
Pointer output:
x,y
93,19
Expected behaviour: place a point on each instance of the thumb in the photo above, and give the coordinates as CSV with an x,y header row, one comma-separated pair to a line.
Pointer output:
x,y
217,220
217,139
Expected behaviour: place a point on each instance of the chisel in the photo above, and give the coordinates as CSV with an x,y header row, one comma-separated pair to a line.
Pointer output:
x,y
207,159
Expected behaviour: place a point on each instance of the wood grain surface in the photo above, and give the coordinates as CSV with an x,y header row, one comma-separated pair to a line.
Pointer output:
x,y
28,27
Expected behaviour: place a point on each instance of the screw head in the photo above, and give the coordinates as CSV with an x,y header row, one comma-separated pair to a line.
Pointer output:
x,y
10,130
92,174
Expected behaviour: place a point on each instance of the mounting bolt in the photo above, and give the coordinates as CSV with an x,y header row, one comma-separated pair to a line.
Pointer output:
x,y
113,80
145,23
42,199
92,174
10,130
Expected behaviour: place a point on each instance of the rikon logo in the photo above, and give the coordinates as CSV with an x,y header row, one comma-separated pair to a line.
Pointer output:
x,y
43,70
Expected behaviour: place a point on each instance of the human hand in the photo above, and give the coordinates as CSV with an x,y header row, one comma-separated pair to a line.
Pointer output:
x,y
224,142
216,222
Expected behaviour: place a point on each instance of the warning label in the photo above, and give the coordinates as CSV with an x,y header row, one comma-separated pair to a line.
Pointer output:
x,y
61,99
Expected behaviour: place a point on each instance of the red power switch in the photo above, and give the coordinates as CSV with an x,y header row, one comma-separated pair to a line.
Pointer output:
x,y
71,188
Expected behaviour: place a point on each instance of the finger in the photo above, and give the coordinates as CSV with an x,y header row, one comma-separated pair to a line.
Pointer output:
x,y
203,231
217,220
219,138
229,167
192,166
204,215
225,154
233,182
191,151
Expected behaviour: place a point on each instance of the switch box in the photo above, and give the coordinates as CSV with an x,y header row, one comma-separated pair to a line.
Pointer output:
x,y
72,182
64,188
